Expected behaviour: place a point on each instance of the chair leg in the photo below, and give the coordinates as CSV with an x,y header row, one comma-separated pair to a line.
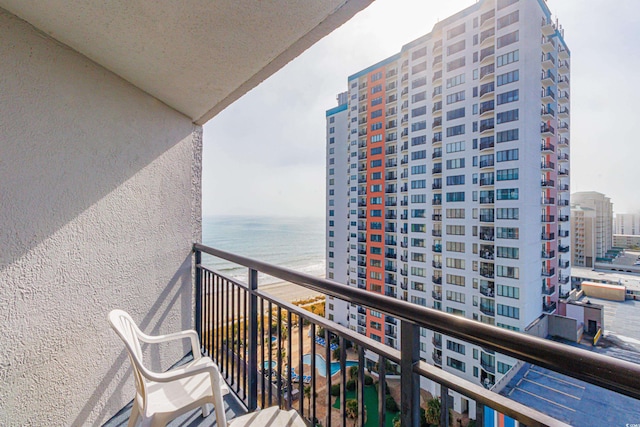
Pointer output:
x,y
135,412
205,411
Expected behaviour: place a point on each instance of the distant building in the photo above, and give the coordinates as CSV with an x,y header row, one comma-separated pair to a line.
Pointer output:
x,y
628,224
626,241
592,224
337,201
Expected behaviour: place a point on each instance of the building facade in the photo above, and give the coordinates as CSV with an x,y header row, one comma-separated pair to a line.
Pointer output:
x,y
458,178
592,225
628,224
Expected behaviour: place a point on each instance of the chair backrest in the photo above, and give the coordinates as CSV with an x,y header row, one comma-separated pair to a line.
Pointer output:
x,y
128,331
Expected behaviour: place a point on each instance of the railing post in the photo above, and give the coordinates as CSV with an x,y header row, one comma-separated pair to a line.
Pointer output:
x,y
198,295
252,362
479,415
409,381
445,405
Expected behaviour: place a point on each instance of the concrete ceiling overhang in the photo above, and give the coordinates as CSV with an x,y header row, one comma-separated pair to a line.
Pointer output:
x,y
197,56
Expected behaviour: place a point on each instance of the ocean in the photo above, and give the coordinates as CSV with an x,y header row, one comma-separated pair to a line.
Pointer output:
x,y
296,243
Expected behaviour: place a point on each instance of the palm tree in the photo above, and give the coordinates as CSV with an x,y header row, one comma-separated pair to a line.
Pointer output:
x,y
307,393
352,410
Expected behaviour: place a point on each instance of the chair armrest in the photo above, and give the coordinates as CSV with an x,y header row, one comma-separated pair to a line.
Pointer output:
x,y
191,334
186,371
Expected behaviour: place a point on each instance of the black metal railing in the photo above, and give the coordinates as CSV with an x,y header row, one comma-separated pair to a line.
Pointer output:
x,y
251,336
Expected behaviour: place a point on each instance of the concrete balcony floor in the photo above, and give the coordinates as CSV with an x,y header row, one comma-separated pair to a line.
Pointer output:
x,y
233,409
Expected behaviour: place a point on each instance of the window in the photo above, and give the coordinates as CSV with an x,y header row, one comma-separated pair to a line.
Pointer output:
x,y
455,230
455,31
504,3
418,82
454,346
455,364
507,58
376,76
376,175
420,111
375,213
507,155
455,163
418,213
506,97
509,253
455,97
419,67
418,198
419,53
508,135
455,114
455,197
376,89
419,169
508,19
509,272
503,368
376,101
376,163
375,200
455,180
507,232
455,64
418,125
419,228
508,311
376,113
417,271
507,39
509,327
416,155
376,150
508,291
456,263
418,183
456,47
507,174
455,213
376,138
454,147
507,116
420,96
453,279
455,80
455,130
507,213
510,77
455,247
418,140
416,256
332,130
507,194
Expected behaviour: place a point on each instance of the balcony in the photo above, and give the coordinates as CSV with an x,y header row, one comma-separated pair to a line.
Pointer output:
x,y
549,308
436,202
549,183
563,233
548,236
487,272
547,148
239,360
436,280
563,263
547,130
436,264
548,272
487,236
437,358
548,254
548,201
563,218
488,309
436,248
436,295
486,163
487,291
436,217
548,218
563,280
563,249
436,233
548,290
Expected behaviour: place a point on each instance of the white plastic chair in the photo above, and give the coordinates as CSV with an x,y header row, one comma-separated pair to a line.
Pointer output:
x,y
161,397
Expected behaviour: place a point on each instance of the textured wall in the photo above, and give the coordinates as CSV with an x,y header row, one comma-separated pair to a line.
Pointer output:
x,y
99,206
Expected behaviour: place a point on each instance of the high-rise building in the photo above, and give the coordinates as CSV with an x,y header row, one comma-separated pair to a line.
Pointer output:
x,y
592,227
628,224
457,179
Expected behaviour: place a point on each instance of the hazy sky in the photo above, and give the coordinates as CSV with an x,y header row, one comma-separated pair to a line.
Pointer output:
x,y
265,154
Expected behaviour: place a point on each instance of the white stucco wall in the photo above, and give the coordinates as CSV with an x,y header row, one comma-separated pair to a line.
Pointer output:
x,y
99,206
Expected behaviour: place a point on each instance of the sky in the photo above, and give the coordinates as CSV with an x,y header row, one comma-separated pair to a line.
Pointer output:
x,y
265,154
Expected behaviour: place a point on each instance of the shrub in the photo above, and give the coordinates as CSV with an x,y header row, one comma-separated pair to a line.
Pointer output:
x,y
368,380
351,384
335,390
391,404
353,372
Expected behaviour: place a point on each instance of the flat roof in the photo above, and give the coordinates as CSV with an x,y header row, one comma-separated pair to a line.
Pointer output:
x,y
631,281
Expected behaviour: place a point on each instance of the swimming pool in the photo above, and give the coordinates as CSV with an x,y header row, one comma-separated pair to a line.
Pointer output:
x,y
321,364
